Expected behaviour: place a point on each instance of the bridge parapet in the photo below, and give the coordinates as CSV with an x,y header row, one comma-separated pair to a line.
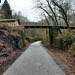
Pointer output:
x,y
34,26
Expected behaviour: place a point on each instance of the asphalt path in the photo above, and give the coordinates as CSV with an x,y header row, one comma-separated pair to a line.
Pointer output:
x,y
34,61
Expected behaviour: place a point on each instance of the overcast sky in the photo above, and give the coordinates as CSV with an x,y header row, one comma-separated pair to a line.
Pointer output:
x,y
26,8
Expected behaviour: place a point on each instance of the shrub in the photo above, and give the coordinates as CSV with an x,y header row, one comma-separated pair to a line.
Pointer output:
x,y
71,50
53,32
68,39
30,39
44,41
64,41
58,43
27,43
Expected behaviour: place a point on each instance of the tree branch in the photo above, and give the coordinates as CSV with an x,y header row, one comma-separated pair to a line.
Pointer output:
x,y
52,12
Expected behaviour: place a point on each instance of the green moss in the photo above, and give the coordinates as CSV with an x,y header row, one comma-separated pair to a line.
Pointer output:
x,y
21,42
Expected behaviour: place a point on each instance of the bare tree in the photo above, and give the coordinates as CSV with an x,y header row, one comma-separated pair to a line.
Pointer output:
x,y
19,16
53,9
62,12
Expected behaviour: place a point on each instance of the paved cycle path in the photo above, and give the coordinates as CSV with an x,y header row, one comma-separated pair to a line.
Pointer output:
x,y
34,61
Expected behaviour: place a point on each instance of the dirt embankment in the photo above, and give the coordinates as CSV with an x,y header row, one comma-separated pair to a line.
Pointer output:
x,y
9,50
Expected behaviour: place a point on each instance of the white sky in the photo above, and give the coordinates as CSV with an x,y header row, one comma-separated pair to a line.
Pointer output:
x,y
26,8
